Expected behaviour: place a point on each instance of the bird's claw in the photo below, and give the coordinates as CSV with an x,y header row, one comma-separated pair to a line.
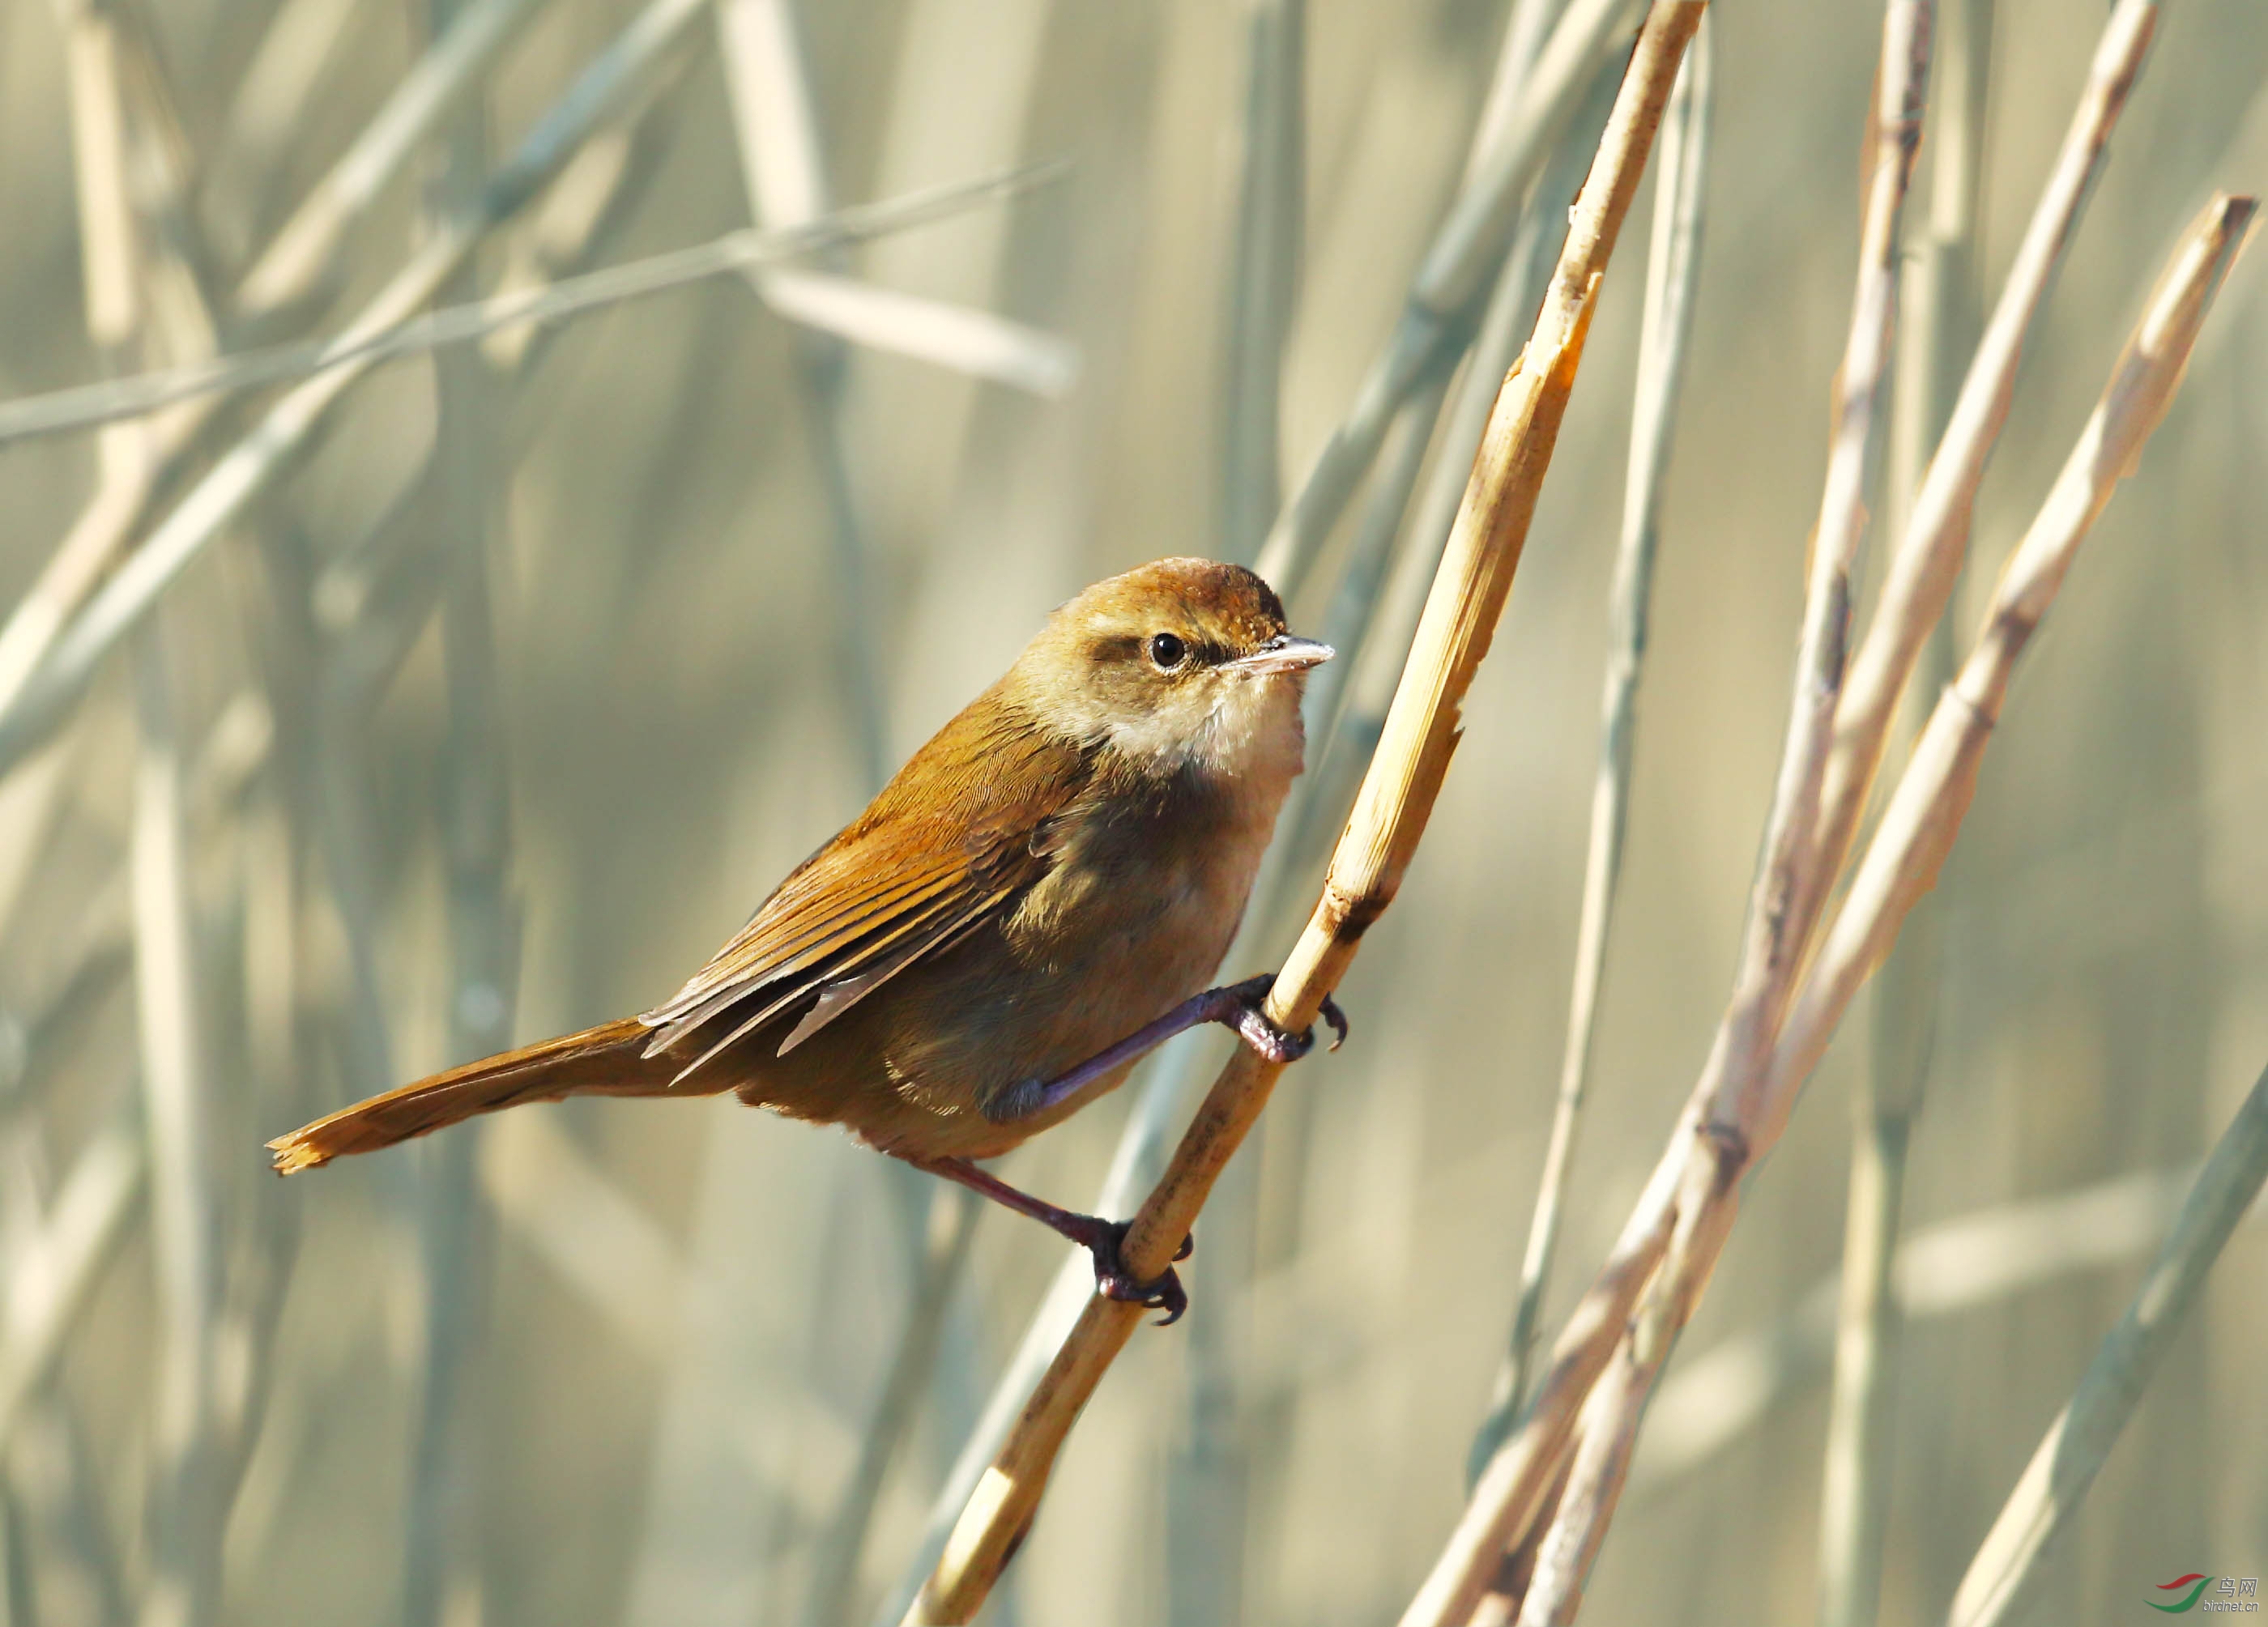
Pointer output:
x,y
1260,1031
1113,1281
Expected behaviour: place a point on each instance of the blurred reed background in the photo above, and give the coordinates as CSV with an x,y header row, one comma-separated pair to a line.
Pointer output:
x,y
473,697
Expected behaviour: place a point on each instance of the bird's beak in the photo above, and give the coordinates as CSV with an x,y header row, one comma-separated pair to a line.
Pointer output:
x,y
1282,654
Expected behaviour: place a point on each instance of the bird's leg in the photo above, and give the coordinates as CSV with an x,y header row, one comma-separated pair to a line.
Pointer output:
x,y
1237,1006
1102,1238
1240,1006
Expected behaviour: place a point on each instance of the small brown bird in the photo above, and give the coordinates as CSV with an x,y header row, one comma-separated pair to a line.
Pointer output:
x,y
1039,896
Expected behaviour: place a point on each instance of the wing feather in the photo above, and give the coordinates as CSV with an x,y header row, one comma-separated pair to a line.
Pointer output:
x,y
962,830
841,994
775,945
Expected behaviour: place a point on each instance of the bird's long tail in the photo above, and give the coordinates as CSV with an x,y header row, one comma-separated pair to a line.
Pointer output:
x,y
602,1061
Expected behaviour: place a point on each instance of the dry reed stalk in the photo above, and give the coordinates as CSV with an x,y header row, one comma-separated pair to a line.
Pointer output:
x,y
294,268
183,1585
1605,1433
1985,1257
1918,825
2047,1496
97,954
271,1051
775,125
86,1223
442,1572
1263,272
281,280
1926,560
1565,1551
112,315
50,692
181,282
1705,1150
511,311
60,1525
1389,817
963,339
244,1318
1499,1607
1527,25
947,1237
1854,1500
1505,324
1941,310
1672,271
1209,1467
598,1240
268,110
1924,813
768,86
1382,594
582,214
1450,281
108,260
1396,547
1382,531
58,1268
1792,882
1772,942
1941,326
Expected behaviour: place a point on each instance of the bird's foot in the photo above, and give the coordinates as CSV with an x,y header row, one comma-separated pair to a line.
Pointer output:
x,y
1244,1008
1105,1240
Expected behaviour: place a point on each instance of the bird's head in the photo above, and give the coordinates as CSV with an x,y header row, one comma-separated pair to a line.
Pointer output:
x,y
1178,662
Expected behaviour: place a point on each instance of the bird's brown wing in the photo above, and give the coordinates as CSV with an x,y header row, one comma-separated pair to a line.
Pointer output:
x,y
965,826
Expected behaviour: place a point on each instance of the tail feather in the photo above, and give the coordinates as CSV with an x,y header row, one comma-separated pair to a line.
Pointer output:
x,y
600,1061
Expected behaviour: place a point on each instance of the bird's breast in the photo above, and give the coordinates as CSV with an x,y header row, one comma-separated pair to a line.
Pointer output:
x,y
1147,887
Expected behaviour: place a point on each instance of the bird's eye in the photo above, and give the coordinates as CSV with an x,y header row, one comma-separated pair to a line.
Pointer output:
x,y
1166,651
